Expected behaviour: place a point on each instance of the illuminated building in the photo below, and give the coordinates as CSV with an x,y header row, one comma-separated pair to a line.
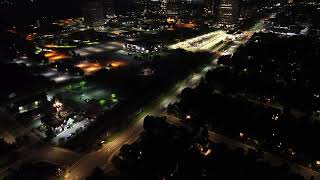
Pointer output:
x,y
143,47
93,12
228,13
55,56
23,104
164,4
169,7
108,8
147,7
194,1
89,68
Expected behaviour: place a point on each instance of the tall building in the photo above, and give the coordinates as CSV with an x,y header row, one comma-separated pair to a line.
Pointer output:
x,y
195,8
213,5
93,12
172,7
194,1
164,5
108,8
228,13
248,10
142,6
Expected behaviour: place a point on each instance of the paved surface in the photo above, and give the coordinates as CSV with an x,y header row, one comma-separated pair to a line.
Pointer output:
x,y
68,132
46,153
82,165
102,158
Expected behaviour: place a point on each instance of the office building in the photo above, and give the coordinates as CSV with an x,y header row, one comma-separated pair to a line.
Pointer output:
x,y
93,12
228,13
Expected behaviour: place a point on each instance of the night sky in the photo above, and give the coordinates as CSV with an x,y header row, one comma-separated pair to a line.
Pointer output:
x,y
23,11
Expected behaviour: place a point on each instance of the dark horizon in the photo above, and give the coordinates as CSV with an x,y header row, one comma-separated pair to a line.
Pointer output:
x,y
24,12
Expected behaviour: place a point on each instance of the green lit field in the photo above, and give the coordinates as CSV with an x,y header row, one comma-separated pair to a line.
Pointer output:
x,y
82,93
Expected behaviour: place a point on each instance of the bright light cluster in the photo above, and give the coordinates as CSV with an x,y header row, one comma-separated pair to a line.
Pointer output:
x,y
55,56
90,68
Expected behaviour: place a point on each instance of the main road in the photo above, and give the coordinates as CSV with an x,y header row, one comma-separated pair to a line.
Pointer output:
x,y
102,157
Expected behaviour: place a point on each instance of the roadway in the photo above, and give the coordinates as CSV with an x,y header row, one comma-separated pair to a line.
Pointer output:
x,y
34,149
215,137
40,152
68,133
266,156
102,158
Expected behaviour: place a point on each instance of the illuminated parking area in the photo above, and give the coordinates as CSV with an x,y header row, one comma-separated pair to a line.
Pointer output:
x,y
54,56
189,25
210,43
203,42
72,130
89,68
122,52
95,50
118,63
57,76
26,61
58,46
117,32
63,78
131,39
90,97
231,50
50,73
22,61
105,47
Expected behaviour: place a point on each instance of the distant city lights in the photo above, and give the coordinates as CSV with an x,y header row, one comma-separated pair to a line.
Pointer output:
x,y
89,68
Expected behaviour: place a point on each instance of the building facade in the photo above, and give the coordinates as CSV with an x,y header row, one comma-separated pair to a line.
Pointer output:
x,y
108,8
228,13
93,12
